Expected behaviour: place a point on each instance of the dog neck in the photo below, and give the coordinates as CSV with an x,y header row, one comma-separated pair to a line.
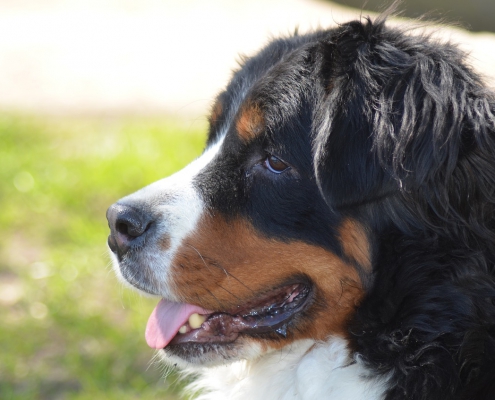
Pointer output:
x,y
305,370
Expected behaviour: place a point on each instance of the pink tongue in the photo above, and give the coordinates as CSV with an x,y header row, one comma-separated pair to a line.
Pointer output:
x,y
166,320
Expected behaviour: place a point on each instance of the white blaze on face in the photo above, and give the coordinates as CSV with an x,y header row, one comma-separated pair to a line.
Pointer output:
x,y
176,207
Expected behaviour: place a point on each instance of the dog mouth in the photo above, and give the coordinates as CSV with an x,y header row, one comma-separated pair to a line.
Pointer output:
x,y
179,323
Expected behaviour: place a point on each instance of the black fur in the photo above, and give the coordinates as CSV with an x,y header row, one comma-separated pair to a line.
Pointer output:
x,y
423,146
396,131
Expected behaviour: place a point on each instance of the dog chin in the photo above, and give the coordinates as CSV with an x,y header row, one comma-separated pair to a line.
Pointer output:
x,y
196,356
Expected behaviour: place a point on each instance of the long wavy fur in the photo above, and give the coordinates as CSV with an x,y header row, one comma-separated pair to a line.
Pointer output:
x,y
405,142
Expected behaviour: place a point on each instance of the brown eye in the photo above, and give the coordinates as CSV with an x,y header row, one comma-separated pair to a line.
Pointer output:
x,y
275,164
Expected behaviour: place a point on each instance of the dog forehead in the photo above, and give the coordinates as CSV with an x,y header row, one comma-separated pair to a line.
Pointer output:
x,y
267,90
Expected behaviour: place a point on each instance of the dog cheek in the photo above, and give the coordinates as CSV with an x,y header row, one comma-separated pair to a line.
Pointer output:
x,y
224,264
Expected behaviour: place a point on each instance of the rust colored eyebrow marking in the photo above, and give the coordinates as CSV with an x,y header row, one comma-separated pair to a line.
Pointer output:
x,y
251,122
216,112
355,243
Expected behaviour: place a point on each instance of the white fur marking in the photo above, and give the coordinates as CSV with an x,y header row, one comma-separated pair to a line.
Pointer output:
x,y
177,208
303,371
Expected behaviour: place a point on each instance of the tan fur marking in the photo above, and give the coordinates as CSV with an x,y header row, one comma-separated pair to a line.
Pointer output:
x,y
165,243
225,264
216,111
355,243
251,122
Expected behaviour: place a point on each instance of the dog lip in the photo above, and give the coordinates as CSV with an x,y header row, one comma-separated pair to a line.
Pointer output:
x,y
271,314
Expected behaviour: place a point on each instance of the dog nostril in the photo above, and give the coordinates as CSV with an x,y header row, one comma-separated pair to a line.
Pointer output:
x,y
122,228
127,230
126,224
131,224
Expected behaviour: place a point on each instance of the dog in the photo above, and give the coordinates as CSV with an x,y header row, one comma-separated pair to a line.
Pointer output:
x,y
336,238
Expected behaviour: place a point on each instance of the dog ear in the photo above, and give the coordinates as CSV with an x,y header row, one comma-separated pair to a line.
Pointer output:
x,y
347,171
405,113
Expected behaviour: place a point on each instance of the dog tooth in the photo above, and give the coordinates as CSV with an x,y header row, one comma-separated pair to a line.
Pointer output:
x,y
183,329
195,320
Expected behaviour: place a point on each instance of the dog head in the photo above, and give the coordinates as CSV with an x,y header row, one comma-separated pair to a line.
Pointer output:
x,y
319,146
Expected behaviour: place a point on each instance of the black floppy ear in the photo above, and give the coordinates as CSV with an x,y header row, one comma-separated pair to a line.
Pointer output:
x,y
404,113
348,171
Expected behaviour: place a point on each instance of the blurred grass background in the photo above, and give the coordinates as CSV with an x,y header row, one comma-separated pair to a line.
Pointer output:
x,y
69,329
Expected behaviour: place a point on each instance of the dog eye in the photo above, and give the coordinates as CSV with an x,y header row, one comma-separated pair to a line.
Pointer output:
x,y
275,164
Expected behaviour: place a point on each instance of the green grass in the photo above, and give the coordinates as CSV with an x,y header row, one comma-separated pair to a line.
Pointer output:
x,y
69,329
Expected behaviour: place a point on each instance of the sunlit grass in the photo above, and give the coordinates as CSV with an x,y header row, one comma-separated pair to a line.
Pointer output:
x,y
69,329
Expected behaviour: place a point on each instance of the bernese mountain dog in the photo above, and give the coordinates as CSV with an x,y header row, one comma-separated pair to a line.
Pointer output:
x,y
336,238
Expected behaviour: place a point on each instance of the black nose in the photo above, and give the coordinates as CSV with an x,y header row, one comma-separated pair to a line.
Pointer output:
x,y
127,226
